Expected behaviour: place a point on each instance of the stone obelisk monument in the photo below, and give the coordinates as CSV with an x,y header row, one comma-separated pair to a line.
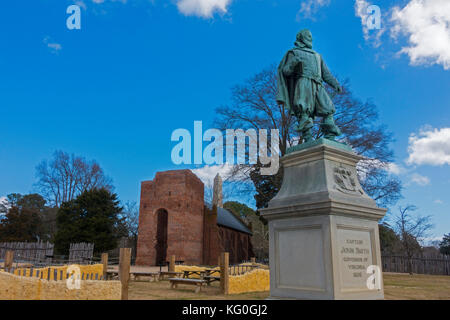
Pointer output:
x,y
217,192
323,227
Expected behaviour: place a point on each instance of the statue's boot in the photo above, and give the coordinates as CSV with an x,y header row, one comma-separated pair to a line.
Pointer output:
x,y
329,128
304,126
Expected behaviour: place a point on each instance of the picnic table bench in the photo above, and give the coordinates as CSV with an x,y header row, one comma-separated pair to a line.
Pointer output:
x,y
211,271
209,275
187,273
196,282
111,274
154,276
210,279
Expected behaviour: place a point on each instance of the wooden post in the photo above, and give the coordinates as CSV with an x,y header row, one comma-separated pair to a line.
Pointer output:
x,y
224,272
172,263
218,260
124,270
105,264
253,260
9,259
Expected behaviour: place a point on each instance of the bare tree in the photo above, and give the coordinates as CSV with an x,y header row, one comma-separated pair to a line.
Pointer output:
x,y
260,237
129,225
130,218
4,205
411,231
209,192
254,106
228,191
66,176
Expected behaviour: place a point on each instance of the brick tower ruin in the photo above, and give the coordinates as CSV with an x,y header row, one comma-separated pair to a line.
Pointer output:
x,y
171,218
175,220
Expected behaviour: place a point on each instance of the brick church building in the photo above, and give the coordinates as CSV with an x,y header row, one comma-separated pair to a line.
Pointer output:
x,y
174,220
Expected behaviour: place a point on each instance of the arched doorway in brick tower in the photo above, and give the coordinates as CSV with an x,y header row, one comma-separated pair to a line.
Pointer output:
x,y
161,236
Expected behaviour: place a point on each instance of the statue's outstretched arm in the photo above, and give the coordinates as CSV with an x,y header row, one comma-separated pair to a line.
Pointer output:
x,y
328,77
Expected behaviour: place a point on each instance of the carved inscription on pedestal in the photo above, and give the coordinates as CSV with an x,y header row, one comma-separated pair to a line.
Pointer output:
x,y
355,256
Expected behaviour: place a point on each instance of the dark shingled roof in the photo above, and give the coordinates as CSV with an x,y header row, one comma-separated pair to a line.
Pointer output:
x,y
227,219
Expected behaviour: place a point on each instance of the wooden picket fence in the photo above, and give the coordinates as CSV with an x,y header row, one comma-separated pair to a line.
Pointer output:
x,y
41,253
51,274
437,265
28,251
239,269
81,252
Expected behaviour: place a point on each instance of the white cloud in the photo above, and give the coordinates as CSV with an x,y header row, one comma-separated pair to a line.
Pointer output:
x,y
53,46
430,240
361,11
420,180
438,201
407,173
103,1
309,7
202,8
81,4
4,204
426,23
430,146
208,173
396,169
391,167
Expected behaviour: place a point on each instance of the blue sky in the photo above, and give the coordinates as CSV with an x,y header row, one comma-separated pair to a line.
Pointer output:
x,y
137,70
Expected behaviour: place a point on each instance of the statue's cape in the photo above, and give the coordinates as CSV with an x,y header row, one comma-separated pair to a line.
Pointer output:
x,y
286,84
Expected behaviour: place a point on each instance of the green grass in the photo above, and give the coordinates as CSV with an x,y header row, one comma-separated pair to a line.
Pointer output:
x,y
396,287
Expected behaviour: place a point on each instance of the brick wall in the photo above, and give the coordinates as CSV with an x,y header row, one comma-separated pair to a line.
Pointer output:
x,y
237,244
180,193
212,246
193,235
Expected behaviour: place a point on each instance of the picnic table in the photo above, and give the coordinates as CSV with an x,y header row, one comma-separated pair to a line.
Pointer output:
x,y
206,275
166,264
111,274
162,264
187,273
174,282
154,276
211,271
169,273
209,277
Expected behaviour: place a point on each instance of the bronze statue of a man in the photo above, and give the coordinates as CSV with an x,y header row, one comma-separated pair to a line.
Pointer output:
x,y
300,88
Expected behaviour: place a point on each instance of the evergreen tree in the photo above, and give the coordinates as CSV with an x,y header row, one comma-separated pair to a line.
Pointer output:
x,y
444,246
24,221
20,224
240,210
93,217
389,240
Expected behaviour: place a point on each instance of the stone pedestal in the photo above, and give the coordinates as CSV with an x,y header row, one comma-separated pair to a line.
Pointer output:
x,y
323,228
